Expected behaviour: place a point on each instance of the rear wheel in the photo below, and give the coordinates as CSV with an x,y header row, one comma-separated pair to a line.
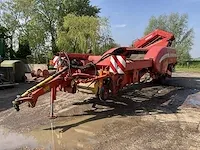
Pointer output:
x,y
103,92
159,80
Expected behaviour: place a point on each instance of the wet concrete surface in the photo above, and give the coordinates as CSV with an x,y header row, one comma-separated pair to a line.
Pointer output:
x,y
141,117
9,93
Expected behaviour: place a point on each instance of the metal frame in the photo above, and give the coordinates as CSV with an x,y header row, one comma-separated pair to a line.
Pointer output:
x,y
85,68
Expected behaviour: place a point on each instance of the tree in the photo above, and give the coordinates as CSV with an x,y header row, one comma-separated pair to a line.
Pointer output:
x,y
42,18
106,43
24,49
80,33
6,50
178,25
77,7
3,46
10,17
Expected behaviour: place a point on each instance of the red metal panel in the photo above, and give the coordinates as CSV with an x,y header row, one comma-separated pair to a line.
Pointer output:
x,y
136,49
105,62
157,56
138,64
94,59
157,37
162,56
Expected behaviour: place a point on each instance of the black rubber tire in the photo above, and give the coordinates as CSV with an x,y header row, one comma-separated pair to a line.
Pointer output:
x,y
74,89
102,95
159,80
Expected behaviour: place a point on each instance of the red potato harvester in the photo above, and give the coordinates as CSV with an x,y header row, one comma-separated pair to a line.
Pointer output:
x,y
115,69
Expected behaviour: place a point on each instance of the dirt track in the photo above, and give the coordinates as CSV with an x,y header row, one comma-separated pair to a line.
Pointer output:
x,y
143,117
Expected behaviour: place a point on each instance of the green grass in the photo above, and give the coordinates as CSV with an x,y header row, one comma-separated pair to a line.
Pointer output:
x,y
184,69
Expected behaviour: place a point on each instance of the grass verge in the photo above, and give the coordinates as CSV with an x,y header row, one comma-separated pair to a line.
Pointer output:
x,y
180,69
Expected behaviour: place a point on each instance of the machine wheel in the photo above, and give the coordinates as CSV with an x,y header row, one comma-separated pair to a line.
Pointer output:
x,y
159,80
74,89
74,86
24,78
39,73
103,93
45,73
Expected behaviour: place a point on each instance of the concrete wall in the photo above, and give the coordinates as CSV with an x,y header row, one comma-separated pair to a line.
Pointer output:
x,y
30,67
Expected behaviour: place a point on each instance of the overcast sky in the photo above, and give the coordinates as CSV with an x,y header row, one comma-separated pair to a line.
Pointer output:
x,y
128,18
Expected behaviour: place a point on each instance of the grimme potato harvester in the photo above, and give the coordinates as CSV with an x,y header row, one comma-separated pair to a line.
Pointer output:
x,y
111,72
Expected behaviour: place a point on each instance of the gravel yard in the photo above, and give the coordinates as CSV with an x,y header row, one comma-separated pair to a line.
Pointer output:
x,y
145,116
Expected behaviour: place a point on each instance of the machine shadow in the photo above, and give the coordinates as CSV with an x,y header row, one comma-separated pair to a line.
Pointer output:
x,y
134,101
186,82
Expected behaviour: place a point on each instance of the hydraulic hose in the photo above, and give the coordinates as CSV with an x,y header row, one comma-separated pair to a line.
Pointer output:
x,y
45,81
16,102
118,51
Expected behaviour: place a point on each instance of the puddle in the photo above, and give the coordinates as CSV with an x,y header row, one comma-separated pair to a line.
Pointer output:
x,y
13,141
193,100
79,133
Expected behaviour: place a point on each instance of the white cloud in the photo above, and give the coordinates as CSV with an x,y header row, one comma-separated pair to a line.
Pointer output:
x,y
120,25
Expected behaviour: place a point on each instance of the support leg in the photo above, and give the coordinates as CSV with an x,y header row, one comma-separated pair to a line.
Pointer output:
x,y
53,97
